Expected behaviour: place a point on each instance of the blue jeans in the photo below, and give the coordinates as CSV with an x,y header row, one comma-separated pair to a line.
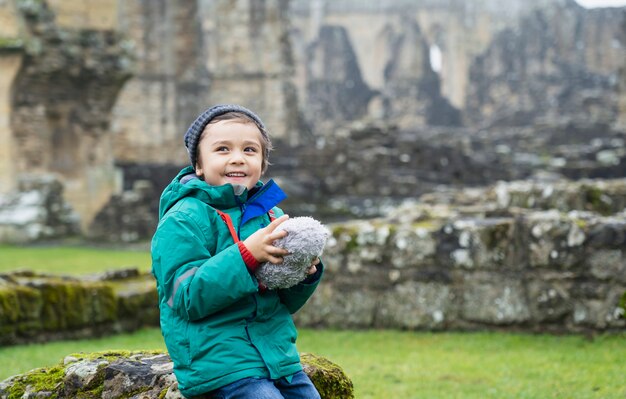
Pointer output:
x,y
300,387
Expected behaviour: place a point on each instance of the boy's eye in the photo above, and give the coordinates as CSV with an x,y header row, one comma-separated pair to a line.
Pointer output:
x,y
250,149
222,148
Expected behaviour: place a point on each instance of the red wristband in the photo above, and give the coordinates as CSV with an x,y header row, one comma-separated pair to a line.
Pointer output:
x,y
251,263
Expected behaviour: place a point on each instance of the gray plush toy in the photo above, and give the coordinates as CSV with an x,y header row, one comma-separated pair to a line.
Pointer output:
x,y
305,242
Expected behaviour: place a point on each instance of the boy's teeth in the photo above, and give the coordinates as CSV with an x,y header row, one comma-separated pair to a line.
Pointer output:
x,y
235,174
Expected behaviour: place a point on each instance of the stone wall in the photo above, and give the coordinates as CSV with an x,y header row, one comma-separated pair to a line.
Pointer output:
x,y
249,60
369,166
36,211
458,51
37,307
441,267
63,84
140,374
550,67
69,105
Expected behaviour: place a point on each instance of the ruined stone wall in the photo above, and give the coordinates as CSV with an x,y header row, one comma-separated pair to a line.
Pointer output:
x,y
10,63
61,82
36,307
194,54
552,66
65,62
461,32
460,29
170,82
249,59
436,268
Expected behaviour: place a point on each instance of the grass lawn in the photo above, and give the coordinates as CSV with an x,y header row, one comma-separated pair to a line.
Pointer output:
x,y
393,364
70,260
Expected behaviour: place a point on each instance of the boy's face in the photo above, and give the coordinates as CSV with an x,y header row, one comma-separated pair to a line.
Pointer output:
x,y
230,152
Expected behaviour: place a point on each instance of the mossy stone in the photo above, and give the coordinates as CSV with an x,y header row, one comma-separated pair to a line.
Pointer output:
x,y
40,380
594,198
9,306
329,379
74,304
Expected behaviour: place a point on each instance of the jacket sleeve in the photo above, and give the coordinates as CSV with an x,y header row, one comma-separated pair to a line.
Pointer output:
x,y
295,297
192,281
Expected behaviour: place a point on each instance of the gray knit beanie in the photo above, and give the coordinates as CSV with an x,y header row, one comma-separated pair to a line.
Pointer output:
x,y
192,136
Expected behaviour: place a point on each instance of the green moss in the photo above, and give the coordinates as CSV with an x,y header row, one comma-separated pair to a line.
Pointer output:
x,y
75,304
163,393
136,297
40,380
352,234
113,355
427,224
11,44
135,392
9,306
582,224
95,393
104,307
595,202
622,303
329,379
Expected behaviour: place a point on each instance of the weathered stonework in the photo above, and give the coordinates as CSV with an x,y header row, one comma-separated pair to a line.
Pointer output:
x,y
36,307
310,68
550,67
521,269
574,44
61,95
140,374
170,83
250,62
36,211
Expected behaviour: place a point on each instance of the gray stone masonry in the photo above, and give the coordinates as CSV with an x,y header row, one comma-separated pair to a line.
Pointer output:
x,y
437,267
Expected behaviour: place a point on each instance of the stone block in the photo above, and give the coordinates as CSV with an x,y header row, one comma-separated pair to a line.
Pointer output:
x,y
494,301
333,306
608,264
477,244
549,301
416,305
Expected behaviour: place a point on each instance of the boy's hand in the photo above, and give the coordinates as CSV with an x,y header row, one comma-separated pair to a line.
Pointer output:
x,y
260,243
313,269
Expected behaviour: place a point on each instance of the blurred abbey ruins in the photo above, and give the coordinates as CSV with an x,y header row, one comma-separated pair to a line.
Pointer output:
x,y
480,144
369,102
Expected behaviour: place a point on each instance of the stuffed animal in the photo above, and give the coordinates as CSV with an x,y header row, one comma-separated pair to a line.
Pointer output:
x,y
305,242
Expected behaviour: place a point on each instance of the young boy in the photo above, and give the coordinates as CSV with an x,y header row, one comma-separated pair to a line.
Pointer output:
x,y
228,336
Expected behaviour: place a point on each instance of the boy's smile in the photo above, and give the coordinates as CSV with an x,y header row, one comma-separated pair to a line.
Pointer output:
x,y
230,151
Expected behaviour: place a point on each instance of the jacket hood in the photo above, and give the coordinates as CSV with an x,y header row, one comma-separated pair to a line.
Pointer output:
x,y
186,184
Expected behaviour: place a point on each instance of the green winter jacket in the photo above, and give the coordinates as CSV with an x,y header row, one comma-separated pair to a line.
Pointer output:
x,y
218,327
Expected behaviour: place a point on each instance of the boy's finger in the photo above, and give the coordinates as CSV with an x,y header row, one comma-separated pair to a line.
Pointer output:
x,y
276,235
272,226
277,260
277,251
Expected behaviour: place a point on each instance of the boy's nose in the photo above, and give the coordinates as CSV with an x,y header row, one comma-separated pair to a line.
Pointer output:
x,y
236,157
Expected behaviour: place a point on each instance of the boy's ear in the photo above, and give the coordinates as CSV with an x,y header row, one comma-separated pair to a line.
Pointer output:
x,y
199,171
